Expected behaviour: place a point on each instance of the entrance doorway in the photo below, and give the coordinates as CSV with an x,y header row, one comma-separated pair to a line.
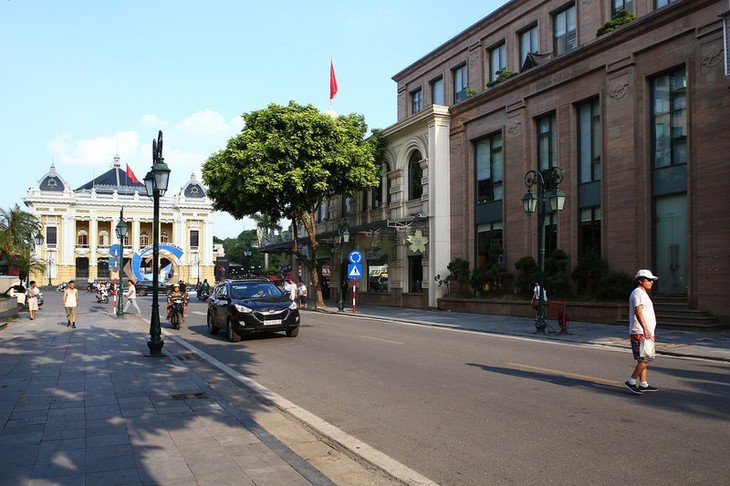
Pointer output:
x,y
82,268
670,245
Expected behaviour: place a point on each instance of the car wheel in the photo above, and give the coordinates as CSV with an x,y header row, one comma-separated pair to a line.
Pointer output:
x,y
211,328
293,332
142,292
233,336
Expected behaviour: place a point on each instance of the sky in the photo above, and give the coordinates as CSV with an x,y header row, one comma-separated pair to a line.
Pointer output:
x,y
84,80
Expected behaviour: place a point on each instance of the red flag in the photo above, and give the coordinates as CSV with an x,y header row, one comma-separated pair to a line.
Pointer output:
x,y
333,81
131,175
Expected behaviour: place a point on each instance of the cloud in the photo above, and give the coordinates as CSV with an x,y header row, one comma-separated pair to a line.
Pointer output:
x,y
95,151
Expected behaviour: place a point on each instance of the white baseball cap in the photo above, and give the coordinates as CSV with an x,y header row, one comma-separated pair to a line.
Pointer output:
x,y
643,273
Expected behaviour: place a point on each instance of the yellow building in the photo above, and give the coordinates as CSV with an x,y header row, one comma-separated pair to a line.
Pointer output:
x,y
79,228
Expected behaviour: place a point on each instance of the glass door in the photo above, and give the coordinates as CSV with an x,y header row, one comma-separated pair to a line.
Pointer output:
x,y
670,239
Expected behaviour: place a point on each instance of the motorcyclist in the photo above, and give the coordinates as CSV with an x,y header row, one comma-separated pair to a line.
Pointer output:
x,y
175,295
205,287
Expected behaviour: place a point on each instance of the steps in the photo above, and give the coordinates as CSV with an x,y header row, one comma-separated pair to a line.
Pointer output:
x,y
675,313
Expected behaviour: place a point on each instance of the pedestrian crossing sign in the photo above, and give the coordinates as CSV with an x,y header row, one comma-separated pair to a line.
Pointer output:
x,y
354,270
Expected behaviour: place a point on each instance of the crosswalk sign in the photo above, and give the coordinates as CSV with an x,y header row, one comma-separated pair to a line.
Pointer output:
x,y
354,270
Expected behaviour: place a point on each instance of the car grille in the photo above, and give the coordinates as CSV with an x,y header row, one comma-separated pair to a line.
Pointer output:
x,y
268,314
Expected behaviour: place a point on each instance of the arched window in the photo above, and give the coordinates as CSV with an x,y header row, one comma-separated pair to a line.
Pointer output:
x,y
103,238
388,197
415,174
144,239
82,239
163,237
376,198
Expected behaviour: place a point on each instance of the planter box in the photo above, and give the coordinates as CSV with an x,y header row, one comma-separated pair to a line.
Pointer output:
x,y
604,313
8,307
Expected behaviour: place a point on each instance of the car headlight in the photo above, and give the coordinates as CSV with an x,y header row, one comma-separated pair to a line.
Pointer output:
x,y
243,309
293,306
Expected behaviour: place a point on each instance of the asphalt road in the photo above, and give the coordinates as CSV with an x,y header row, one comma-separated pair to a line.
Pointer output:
x,y
470,408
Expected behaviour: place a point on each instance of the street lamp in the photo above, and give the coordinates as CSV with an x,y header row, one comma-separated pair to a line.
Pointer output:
x,y
343,236
247,254
155,183
531,203
197,262
121,231
38,240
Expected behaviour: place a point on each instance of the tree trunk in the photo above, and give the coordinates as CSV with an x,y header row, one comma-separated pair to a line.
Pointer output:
x,y
310,261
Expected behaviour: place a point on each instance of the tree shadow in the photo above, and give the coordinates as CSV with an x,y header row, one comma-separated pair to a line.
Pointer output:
x,y
86,406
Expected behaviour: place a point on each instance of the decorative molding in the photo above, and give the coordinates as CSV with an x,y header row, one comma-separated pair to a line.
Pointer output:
x,y
456,147
619,90
514,127
713,59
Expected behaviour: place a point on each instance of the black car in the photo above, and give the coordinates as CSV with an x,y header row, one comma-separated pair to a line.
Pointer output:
x,y
144,287
249,306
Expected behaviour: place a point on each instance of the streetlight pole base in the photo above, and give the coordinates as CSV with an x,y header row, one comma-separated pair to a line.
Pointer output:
x,y
155,349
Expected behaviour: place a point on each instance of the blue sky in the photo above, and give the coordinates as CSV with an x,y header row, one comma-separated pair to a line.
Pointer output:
x,y
83,79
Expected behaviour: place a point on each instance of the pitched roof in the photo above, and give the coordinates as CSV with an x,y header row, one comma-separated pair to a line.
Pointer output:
x,y
115,179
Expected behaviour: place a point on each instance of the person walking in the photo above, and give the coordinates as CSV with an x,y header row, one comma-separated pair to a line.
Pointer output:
x,y
71,302
302,294
31,296
131,298
642,324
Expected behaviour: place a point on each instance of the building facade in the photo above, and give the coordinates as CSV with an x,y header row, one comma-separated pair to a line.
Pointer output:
x,y
79,228
636,118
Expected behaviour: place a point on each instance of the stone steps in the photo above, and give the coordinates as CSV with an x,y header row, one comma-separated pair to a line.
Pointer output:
x,y
676,314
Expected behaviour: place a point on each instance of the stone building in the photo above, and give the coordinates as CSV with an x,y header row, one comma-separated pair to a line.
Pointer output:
x,y
636,118
79,228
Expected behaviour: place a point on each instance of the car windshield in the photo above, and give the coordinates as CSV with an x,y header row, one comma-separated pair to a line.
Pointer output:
x,y
254,290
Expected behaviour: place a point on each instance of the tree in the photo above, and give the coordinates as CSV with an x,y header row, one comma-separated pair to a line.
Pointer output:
x,y
17,229
285,161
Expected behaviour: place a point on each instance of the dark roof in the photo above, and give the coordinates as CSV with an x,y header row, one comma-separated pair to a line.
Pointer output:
x,y
115,179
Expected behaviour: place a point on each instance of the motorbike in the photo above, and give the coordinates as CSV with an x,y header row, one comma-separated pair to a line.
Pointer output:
x,y
102,296
62,287
203,295
176,313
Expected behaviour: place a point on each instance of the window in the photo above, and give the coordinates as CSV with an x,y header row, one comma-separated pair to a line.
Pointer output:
x,y
322,211
589,141
460,84
416,101
489,244
51,235
627,5
194,239
497,60
82,239
437,91
415,273
348,205
547,142
103,239
589,231
144,239
662,3
378,275
388,197
376,198
669,113
163,237
415,174
529,43
564,35
489,167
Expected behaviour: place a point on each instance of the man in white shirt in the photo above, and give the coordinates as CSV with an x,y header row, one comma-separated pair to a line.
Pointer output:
x,y
642,323
132,298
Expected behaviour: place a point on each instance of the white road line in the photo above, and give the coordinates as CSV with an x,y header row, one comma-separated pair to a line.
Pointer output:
x,y
353,445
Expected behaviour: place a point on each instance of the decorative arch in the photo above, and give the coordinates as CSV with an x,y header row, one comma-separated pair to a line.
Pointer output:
x,y
103,238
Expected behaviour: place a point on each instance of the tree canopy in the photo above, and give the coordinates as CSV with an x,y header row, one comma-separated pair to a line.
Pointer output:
x,y
288,159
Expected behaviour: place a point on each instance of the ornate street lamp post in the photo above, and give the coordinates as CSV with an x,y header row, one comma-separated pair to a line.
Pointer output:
x,y
38,240
155,183
343,236
197,262
530,203
121,231
247,254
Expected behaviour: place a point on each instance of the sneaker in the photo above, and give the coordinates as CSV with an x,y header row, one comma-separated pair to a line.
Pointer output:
x,y
634,389
73,325
648,388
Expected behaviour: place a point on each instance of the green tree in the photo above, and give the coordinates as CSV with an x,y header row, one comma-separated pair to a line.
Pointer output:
x,y
17,229
285,161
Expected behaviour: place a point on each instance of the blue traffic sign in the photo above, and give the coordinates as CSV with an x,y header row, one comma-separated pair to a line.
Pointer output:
x,y
354,270
355,256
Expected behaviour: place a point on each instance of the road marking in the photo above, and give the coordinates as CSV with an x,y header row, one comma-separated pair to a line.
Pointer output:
x,y
380,339
200,313
565,373
356,447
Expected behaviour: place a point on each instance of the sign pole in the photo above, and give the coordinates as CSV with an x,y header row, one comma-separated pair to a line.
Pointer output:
x,y
354,294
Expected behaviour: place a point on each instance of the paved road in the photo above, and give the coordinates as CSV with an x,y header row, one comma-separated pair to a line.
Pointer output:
x,y
474,408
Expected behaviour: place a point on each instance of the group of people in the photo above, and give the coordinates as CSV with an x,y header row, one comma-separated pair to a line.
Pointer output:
x,y
297,292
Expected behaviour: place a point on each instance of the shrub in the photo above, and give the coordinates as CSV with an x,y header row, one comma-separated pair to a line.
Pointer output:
x,y
459,268
528,275
620,18
557,281
502,75
589,271
615,286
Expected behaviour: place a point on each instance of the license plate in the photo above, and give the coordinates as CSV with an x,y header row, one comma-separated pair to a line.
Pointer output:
x,y
272,322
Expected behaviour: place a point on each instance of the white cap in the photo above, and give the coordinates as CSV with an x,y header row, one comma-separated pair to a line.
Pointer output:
x,y
643,273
